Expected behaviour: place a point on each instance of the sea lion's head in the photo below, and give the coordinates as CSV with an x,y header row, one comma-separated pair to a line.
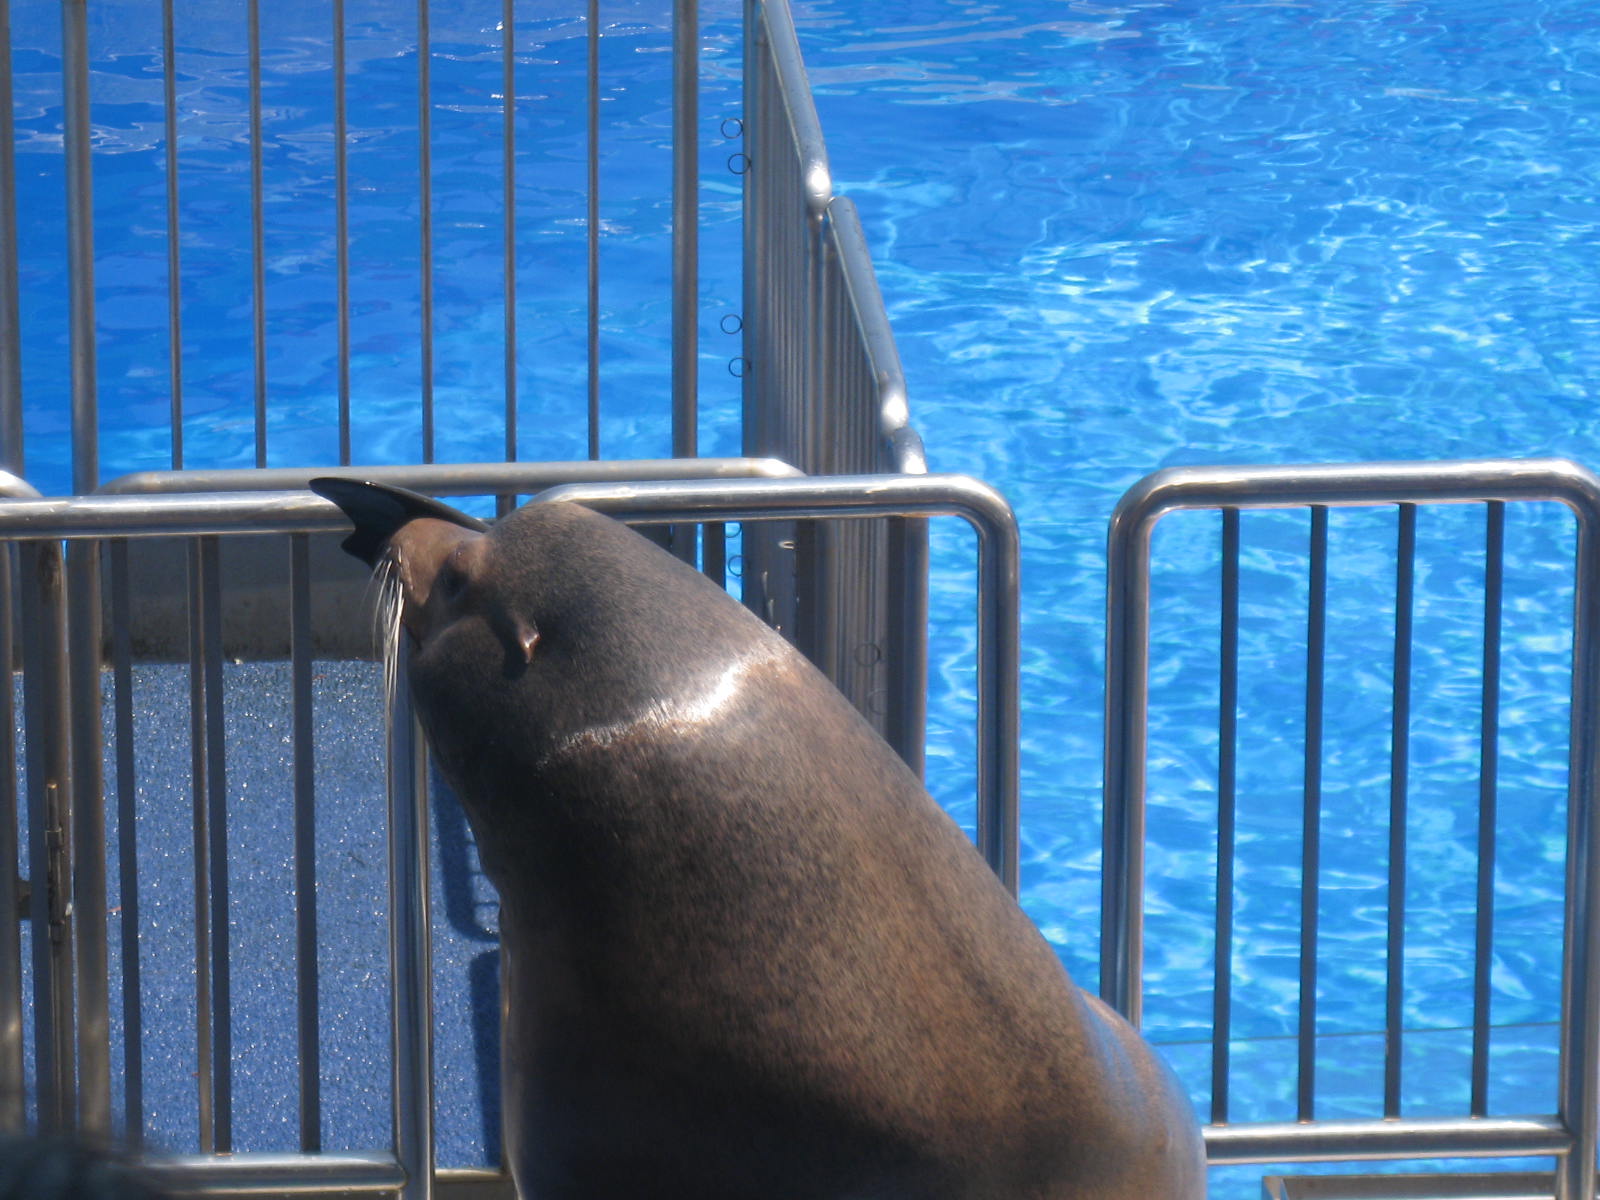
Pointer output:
x,y
554,629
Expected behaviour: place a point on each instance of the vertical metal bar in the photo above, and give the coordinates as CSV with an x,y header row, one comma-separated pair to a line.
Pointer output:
x,y
685,226
999,732
681,539
44,649
127,849
592,15
258,233
908,632
714,552
410,946
1488,795
217,822
11,454
341,223
1311,812
89,839
425,217
751,102
1227,777
169,94
1126,736
508,203
12,1111
305,843
1399,770
80,245
204,1076
1579,1095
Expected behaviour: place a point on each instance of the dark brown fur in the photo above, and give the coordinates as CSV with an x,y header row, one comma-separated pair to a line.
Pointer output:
x,y
746,954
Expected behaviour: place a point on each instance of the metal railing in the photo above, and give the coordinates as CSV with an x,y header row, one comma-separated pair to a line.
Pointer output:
x,y
824,390
72,1075
1572,1131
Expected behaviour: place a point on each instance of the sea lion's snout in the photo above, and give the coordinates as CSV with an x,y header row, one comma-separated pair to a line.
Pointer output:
x,y
426,543
435,562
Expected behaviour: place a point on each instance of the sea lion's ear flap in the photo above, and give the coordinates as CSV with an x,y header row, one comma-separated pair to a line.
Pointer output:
x,y
520,638
378,511
527,638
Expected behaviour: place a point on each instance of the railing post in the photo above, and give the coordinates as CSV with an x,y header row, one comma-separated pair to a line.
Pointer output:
x,y
44,641
410,949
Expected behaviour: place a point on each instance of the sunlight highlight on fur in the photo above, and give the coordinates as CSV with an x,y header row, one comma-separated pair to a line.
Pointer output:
x,y
679,715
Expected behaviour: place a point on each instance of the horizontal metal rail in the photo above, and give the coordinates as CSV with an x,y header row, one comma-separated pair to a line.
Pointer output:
x,y
268,1174
452,479
1575,1130
1413,1137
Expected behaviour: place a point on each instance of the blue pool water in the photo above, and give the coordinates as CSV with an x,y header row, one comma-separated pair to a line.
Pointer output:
x,y
1115,237
1112,237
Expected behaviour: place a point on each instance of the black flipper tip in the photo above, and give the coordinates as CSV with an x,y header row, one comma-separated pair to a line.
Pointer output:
x,y
377,510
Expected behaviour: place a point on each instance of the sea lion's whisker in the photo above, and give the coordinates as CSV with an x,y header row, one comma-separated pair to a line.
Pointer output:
x,y
387,599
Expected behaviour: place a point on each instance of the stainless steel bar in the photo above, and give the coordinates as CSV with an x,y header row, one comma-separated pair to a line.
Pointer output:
x,y
797,110
753,106
1127,594
258,233
205,1082
425,217
685,227
454,479
11,445
907,564
217,828
1357,485
885,495
48,754
865,304
592,219
1488,796
89,840
714,552
1127,706
280,1174
1311,814
508,204
1399,779
128,899
177,513
342,1174
1579,1093
305,844
1227,801
169,95
341,222
13,1113
80,244
410,947
1409,1137
13,1108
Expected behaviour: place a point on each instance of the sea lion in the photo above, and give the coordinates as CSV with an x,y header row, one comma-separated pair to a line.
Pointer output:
x,y
746,954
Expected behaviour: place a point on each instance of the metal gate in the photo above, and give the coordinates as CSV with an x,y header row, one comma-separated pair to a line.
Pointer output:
x,y
1569,1133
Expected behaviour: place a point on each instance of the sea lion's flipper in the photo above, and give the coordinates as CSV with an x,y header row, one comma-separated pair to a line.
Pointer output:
x,y
378,510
